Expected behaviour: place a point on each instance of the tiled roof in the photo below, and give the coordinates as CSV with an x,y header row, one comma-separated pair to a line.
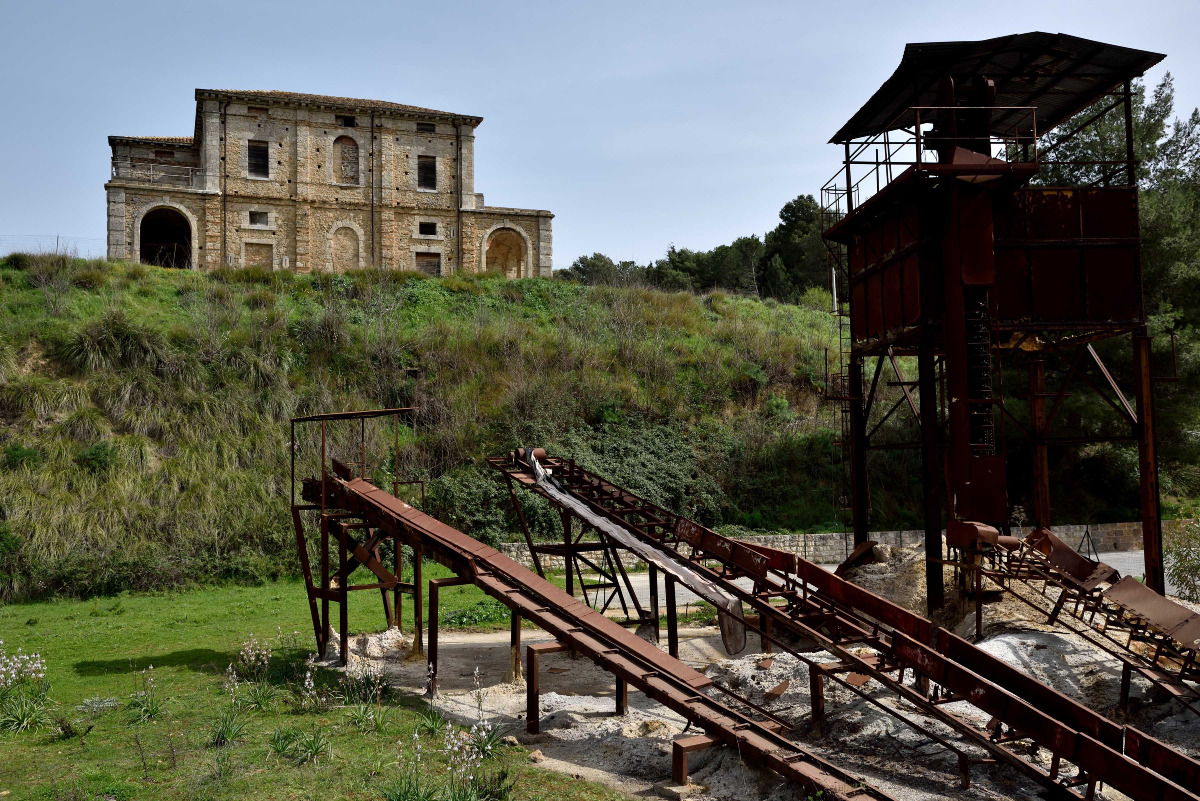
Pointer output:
x,y
173,140
327,100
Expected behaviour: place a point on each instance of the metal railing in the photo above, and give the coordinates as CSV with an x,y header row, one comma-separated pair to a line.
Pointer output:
x,y
160,174
874,162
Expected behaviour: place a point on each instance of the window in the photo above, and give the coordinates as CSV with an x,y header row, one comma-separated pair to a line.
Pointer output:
x,y
344,120
426,127
427,228
426,172
345,160
429,263
258,161
257,111
258,218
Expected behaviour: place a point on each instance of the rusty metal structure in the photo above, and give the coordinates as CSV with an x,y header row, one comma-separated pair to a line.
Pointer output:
x,y
955,244
795,606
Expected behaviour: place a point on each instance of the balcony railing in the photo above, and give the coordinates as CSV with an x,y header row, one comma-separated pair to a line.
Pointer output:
x,y
873,162
159,174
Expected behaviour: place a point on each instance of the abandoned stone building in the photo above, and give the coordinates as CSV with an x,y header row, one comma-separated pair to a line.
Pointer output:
x,y
308,182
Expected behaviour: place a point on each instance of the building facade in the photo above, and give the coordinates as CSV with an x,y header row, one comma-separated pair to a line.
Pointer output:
x,y
308,182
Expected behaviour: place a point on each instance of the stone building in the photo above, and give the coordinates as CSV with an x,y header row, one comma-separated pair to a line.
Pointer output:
x,y
308,182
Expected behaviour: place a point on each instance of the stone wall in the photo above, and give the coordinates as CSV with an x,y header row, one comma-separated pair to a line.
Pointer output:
x,y
828,549
310,202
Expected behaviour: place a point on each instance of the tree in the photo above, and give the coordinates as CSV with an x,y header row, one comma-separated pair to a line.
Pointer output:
x,y
797,243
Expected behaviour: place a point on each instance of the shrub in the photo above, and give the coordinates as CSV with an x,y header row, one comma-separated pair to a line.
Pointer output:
x,y
90,278
97,459
1182,551
114,340
17,261
17,456
260,299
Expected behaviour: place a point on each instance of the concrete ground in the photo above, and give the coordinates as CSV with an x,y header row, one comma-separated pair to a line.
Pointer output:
x,y
1132,563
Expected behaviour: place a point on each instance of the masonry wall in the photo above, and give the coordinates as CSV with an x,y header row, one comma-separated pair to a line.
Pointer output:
x,y
828,549
317,220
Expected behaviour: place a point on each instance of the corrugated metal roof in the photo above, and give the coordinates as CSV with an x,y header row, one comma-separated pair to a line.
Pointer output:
x,y
1058,73
350,103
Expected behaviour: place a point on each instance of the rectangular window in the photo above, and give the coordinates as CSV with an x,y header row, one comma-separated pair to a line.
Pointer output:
x,y
258,162
345,120
429,263
427,229
258,218
426,127
426,172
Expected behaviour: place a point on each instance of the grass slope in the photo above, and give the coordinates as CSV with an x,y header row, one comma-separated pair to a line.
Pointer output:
x,y
98,649
143,412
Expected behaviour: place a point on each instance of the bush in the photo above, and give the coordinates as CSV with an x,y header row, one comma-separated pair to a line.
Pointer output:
x,y
1182,551
114,340
90,278
97,459
17,456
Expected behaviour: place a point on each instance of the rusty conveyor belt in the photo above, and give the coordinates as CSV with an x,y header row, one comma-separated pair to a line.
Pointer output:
x,y
1105,606
641,664
838,615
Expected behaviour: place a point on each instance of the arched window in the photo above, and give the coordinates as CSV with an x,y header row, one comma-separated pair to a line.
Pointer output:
x,y
345,160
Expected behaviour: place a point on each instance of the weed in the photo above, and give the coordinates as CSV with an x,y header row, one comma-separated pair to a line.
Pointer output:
x,y
23,712
228,727
145,702
253,660
367,718
282,742
99,458
431,721
310,747
363,682
17,456
259,695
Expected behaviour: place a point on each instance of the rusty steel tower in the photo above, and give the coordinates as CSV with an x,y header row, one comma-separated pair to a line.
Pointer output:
x,y
955,244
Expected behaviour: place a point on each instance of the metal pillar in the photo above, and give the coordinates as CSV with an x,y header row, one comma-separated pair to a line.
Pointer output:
x,y
1041,459
1148,464
654,610
434,586
931,474
568,556
858,452
672,620
418,583
514,647
622,693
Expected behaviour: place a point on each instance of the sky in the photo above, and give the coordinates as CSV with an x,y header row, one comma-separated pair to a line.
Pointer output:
x,y
639,124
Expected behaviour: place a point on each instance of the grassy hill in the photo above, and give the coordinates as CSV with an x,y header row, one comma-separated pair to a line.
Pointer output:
x,y
143,412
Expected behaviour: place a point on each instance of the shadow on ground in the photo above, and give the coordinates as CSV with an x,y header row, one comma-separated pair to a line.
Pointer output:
x,y
202,660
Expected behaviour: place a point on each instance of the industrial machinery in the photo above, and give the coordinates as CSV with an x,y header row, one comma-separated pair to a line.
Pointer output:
x,y
964,237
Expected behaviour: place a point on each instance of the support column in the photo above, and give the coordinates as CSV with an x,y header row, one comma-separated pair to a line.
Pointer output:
x,y
1041,459
343,597
532,684
434,586
858,452
654,610
514,647
1148,464
568,557
418,583
672,620
816,688
622,696
931,473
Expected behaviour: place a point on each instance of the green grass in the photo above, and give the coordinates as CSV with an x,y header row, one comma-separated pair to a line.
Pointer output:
x,y
143,411
98,649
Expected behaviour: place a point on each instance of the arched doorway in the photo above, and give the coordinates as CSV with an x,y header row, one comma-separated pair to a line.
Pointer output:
x,y
505,252
166,239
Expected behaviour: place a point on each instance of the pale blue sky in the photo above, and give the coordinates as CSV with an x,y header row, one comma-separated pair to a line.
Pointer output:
x,y
638,124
